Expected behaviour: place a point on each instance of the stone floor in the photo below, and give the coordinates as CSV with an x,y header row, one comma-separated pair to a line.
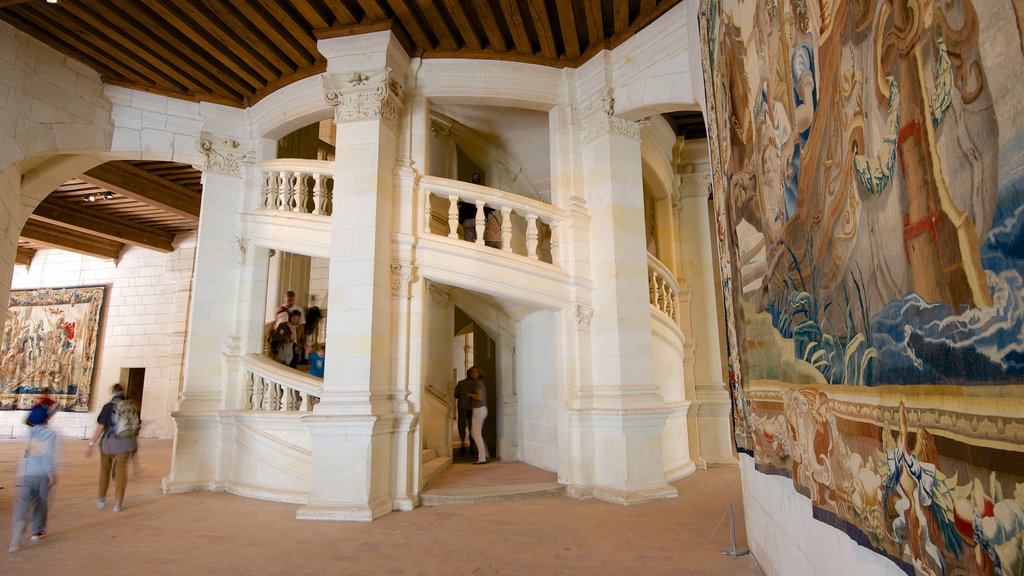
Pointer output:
x,y
207,533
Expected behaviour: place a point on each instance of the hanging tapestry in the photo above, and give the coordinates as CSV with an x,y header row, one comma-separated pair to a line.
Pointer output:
x,y
49,342
868,164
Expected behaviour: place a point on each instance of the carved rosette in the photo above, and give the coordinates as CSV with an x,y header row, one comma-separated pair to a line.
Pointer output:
x,y
221,155
401,277
364,96
584,314
600,120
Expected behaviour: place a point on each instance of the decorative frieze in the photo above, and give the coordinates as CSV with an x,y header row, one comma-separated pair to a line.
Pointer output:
x,y
363,96
584,314
600,120
221,155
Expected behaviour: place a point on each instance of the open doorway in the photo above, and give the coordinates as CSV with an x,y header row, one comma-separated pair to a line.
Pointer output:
x,y
134,382
473,346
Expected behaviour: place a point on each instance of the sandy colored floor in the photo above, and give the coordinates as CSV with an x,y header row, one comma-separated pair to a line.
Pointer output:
x,y
207,533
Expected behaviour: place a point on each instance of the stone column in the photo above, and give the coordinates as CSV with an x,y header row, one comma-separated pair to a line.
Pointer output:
x,y
710,420
212,348
353,425
617,416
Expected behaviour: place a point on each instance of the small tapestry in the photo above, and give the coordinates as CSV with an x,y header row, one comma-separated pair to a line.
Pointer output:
x,y
49,341
868,160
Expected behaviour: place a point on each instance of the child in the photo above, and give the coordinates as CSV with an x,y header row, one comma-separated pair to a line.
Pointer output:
x,y
36,476
316,360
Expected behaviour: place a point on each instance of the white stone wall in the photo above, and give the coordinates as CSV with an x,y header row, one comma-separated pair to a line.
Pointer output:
x,y
143,326
787,541
537,390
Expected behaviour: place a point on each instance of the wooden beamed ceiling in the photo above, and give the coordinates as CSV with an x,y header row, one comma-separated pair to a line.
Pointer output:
x,y
235,52
136,203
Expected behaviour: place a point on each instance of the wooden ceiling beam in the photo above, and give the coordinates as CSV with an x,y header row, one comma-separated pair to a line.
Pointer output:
x,y
312,15
412,23
62,238
517,26
342,14
108,33
595,22
446,38
647,6
620,8
280,30
373,10
96,223
542,24
567,24
135,183
6,3
494,32
245,32
464,24
24,256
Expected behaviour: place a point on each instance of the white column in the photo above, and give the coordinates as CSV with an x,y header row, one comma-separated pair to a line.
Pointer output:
x,y
700,321
353,425
617,415
212,347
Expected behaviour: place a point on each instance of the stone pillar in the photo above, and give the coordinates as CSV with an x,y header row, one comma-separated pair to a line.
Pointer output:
x,y
700,321
617,416
353,425
212,349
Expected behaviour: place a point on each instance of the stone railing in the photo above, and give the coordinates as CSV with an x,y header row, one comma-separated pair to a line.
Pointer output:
x,y
662,288
297,186
527,227
274,387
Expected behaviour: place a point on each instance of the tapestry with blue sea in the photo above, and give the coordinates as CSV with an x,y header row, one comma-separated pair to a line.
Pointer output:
x,y
868,178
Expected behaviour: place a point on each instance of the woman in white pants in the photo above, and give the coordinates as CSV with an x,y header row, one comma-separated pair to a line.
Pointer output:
x,y
479,403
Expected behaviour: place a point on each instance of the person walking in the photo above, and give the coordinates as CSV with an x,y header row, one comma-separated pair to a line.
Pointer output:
x,y
464,408
117,428
37,474
478,399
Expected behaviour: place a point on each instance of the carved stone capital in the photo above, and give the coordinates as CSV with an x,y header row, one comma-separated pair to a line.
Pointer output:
x,y
600,120
243,249
691,185
584,314
221,155
364,96
401,277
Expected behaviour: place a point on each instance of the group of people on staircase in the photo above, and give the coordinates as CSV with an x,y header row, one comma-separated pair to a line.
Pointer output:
x,y
293,336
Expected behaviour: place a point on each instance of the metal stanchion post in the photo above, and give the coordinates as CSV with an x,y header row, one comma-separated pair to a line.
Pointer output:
x,y
733,550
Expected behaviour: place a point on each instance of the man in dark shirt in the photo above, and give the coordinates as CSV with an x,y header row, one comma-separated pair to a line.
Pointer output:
x,y
114,451
464,408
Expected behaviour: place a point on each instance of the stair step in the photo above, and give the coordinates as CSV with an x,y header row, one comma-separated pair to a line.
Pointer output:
x,y
427,454
480,494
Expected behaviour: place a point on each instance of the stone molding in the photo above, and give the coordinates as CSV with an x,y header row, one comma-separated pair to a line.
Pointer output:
x,y
365,96
221,155
600,120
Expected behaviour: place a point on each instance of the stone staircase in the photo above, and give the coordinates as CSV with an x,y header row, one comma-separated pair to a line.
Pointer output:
x,y
432,464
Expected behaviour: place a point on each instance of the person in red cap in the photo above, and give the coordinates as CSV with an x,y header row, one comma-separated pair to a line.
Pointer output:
x,y
36,475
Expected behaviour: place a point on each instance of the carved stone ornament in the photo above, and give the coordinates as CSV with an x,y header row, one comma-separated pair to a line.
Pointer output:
x,y
243,249
440,132
600,120
693,185
401,277
222,156
363,96
584,314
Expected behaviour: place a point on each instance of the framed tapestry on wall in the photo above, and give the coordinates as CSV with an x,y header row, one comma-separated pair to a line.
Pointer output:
x,y
50,340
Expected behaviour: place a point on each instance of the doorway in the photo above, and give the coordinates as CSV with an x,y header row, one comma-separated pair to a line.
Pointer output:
x,y
473,346
134,382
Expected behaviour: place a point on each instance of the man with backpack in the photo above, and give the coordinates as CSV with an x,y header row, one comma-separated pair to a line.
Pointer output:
x,y
117,428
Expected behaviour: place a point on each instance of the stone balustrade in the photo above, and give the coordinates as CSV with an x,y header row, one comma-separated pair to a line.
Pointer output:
x,y
297,186
527,227
274,387
663,288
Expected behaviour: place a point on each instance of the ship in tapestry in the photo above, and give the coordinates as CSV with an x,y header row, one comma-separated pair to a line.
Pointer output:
x,y
869,187
49,343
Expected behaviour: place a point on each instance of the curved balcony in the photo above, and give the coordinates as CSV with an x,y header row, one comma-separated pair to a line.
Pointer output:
x,y
663,289
272,387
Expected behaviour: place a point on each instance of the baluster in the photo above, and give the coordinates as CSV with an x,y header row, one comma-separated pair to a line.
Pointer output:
x,y
284,192
270,202
257,392
653,287
481,222
318,191
427,215
664,296
299,192
453,216
303,401
506,229
531,236
555,256
248,390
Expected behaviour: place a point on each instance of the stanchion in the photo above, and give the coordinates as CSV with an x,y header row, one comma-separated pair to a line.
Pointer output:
x,y
733,550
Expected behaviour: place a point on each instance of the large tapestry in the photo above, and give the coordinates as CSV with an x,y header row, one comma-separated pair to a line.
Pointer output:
x,y
50,341
869,181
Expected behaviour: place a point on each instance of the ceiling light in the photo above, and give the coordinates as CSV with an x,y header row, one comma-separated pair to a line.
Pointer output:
x,y
108,195
90,198
51,1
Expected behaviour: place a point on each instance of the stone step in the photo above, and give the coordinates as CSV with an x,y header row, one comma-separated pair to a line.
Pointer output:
x,y
432,468
427,454
480,494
